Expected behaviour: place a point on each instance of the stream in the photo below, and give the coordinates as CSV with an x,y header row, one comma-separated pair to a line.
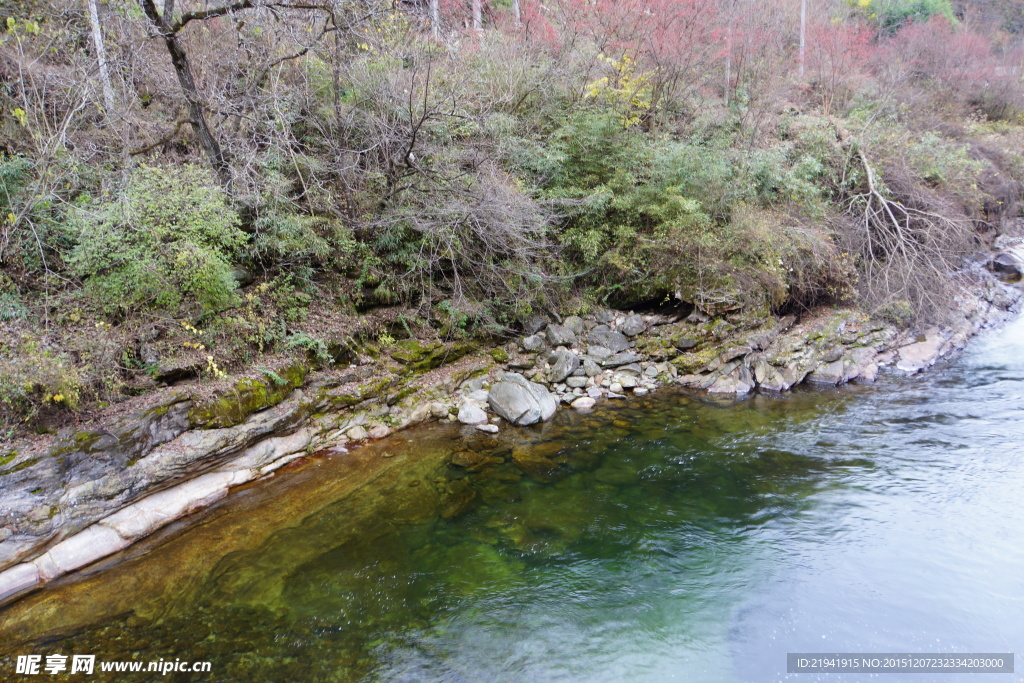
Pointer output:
x,y
670,537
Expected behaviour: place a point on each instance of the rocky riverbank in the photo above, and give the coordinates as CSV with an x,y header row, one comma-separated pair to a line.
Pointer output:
x,y
86,494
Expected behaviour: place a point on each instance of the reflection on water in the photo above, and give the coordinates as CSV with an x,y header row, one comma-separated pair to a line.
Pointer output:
x,y
663,538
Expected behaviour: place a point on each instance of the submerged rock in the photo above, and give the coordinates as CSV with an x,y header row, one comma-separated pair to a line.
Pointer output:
x,y
521,401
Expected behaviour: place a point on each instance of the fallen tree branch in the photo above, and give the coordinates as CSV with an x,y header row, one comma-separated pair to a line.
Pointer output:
x,y
162,141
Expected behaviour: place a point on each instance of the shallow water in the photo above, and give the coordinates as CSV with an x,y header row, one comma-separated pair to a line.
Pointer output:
x,y
668,538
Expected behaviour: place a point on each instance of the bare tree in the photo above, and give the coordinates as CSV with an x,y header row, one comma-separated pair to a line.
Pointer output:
x,y
101,58
168,29
478,14
910,239
803,34
435,18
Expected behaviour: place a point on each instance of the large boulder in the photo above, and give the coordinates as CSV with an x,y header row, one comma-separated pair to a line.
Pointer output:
x,y
533,343
521,401
472,414
602,335
621,359
563,364
633,325
534,324
1009,265
560,336
576,324
917,356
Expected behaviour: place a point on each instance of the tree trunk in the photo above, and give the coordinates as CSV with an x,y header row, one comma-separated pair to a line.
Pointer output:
x,y
101,59
435,19
803,34
728,60
517,11
188,88
478,14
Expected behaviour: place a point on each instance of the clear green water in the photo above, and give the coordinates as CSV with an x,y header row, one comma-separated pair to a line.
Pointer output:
x,y
669,538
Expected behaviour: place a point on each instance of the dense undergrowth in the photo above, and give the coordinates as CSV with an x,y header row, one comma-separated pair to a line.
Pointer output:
x,y
623,154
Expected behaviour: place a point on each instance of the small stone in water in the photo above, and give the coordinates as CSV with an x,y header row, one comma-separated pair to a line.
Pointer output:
x,y
490,429
379,431
583,403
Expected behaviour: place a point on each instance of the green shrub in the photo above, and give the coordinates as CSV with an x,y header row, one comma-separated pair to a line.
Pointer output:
x,y
892,14
32,237
165,240
11,307
286,234
33,376
945,164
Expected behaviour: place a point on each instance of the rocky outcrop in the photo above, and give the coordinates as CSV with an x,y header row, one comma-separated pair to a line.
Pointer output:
x,y
1008,264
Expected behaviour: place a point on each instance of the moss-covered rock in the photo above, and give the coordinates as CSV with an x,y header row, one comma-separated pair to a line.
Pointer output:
x,y
343,397
248,396
657,348
422,356
499,355
694,361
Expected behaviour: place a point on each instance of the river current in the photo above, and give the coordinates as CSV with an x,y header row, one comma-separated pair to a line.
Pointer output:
x,y
667,538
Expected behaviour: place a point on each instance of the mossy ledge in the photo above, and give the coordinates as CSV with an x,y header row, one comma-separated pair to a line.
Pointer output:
x,y
246,397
